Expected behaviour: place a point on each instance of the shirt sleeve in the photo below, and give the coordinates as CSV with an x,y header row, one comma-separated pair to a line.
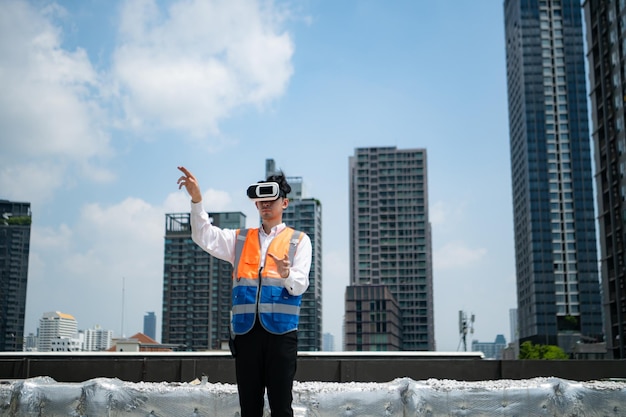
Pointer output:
x,y
218,242
298,280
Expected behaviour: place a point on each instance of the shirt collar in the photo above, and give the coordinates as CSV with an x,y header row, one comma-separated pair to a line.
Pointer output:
x,y
274,231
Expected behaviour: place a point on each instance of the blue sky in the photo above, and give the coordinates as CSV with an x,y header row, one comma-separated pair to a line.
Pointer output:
x,y
102,100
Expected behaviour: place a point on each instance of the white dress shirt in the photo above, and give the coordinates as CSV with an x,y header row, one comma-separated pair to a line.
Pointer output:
x,y
221,244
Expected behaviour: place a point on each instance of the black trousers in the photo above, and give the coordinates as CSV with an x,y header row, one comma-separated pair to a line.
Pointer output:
x,y
265,361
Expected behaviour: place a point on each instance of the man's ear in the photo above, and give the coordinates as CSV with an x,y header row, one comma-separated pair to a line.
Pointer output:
x,y
285,203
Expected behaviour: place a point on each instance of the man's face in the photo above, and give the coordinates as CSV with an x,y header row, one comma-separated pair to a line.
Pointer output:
x,y
270,210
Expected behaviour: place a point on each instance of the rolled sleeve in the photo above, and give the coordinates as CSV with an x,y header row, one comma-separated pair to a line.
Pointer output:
x,y
218,242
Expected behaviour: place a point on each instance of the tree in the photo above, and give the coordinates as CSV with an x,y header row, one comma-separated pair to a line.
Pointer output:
x,y
550,352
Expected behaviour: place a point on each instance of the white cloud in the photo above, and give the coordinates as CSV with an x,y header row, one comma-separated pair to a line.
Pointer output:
x,y
188,67
81,268
455,255
445,216
218,200
49,117
437,213
184,68
51,239
33,181
82,271
178,202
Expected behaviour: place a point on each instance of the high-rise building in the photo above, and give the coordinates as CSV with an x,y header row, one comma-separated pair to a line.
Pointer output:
x,y
55,325
305,214
328,342
97,339
196,287
390,237
606,40
372,321
30,343
15,220
149,325
512,350
491,350
558,287
513,323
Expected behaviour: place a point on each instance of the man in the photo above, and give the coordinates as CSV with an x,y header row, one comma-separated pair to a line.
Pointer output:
x,y
271,272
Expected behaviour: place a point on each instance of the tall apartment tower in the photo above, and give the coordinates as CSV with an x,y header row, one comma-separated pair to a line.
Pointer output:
x,y
606,40
558,287
55,325
149,325
390,238
15,220
305,214
196,287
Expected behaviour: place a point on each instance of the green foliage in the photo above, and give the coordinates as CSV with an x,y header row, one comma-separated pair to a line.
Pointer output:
x,y
568,323
18,221
550,352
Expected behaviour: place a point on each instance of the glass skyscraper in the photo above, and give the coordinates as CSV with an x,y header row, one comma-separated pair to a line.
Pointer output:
x,y
606,40
149,325
558,287
196,287
390,243
15,220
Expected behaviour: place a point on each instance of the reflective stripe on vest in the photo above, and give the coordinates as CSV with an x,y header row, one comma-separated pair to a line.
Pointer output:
x,y
278,310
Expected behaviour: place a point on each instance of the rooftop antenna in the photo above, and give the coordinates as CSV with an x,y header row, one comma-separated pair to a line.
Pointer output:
x,y
123,291
464,327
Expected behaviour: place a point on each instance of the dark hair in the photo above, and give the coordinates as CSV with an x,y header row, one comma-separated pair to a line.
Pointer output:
x,y
284,186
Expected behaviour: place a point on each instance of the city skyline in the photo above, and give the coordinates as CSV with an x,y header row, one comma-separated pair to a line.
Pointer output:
x,y
103,100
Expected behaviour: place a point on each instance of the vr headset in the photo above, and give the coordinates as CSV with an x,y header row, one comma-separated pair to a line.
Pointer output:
x,y
264,191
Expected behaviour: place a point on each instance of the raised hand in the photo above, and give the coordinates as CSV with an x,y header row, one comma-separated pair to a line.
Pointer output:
x,y
191,185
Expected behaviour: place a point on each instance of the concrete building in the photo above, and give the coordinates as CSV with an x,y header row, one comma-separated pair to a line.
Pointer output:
x,y
514,342
373,319
55,325
196,287
66,344
140,342
97,339
390,239
305,214
606,40
558,286
15,221
30,343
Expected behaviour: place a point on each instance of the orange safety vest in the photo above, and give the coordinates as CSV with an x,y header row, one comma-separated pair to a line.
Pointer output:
x,y
261,292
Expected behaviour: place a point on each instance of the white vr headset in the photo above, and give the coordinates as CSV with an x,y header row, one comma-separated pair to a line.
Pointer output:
x,y
264,191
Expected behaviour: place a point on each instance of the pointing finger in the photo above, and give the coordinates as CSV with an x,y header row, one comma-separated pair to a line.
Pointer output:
x,y
186,172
